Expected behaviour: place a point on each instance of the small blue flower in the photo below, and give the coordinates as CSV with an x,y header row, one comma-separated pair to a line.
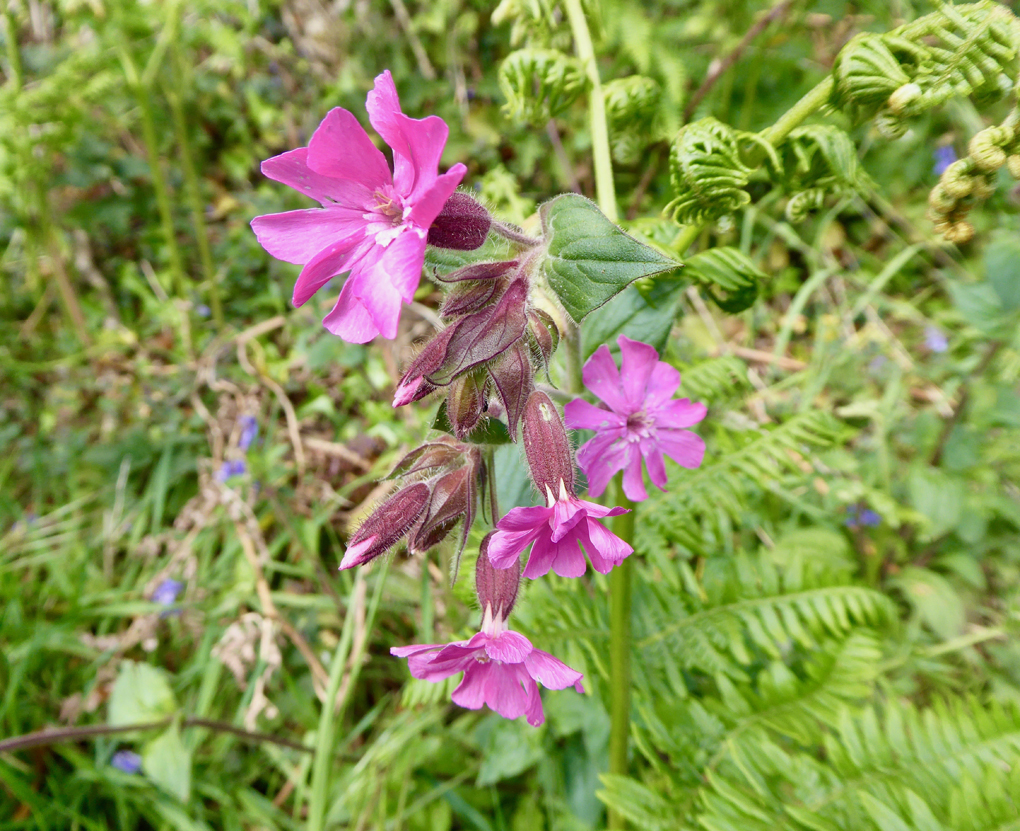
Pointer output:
x,y
230,468
166,592
944,156
935,339
202,310
127,761
249,432
857,516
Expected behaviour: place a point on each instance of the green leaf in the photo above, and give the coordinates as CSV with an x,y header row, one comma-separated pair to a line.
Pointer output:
x,y
939,497
167,762
644,315
589,260
730,270
508,750
981,306
141,694
1002,267
513,482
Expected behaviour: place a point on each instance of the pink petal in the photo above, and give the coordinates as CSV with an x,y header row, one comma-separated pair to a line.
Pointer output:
x,y
534,712
341,149
349,319
291,169
414,649
605,549
508,647
637,362
297,236
430,203
570,560
354,554
550,672
398,265
566,514
543,554
678,414
471,692
504,692
656,464
593,509
633,483
580,415
601,457
417,144
603,379
682,446
661,386
505,548
334,259
524,519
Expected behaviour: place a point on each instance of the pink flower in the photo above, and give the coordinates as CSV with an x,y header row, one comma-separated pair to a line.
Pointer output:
x,y
373,224
642,420
556,533
500,669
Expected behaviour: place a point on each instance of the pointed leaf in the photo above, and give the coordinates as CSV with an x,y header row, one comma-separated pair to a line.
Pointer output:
x,y
589,260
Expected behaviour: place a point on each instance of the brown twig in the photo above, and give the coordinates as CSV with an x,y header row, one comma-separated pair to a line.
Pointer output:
x,y
719,67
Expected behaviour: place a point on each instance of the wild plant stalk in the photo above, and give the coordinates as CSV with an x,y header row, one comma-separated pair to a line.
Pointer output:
x,y
620,577
333,710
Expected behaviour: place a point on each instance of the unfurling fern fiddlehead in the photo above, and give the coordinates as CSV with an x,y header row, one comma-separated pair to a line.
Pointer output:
x,y
540,83
630,109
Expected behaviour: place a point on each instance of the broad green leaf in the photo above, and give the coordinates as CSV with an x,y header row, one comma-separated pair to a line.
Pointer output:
x,y
167,762
981,307
732,271
1002,267
589,260
644,315
938,496
141,694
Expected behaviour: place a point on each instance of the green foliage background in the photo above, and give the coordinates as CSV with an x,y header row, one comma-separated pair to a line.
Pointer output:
x,y
792,668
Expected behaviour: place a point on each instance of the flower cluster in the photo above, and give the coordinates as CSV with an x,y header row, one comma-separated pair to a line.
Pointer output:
x,y
374,225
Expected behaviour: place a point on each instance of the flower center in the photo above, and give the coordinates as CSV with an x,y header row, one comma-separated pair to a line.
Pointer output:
x,y
639,426
385,220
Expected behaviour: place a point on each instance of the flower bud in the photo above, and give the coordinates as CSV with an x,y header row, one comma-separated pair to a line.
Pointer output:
x,y
496,587
431,457
414,386
482,336
465,403
470,297
513,376
386,525
546,446
453,498
463,224
544,336
478,271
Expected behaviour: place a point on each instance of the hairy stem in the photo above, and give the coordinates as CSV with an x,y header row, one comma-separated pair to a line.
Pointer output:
x,y
604,187
619,651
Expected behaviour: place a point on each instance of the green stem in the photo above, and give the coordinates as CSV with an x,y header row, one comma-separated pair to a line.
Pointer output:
x,y
193,188
814,100
333,710
159,182
604,187
573,358
620,580
685,238
13,53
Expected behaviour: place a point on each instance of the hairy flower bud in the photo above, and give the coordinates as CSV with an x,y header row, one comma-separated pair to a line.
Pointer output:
x,y
547,446
463,224
414,386
465,403
513,376
471,297
453,498
429,458
478,271
386,525
496,587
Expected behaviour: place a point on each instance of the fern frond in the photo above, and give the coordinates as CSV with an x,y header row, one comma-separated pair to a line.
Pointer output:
x,y
713,380
714,492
